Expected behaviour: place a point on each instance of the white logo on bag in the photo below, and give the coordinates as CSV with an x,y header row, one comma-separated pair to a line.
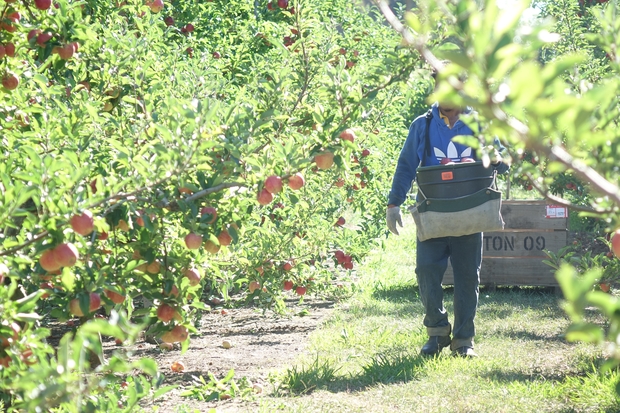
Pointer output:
x,y
452,154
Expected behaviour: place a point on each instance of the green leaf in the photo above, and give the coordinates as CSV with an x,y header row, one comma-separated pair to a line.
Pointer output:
x,y
413,22
163,390
100,326
68,282
526,84
586,332
147,365
27,317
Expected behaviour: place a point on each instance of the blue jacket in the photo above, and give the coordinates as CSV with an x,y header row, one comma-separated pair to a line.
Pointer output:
x,y
413,154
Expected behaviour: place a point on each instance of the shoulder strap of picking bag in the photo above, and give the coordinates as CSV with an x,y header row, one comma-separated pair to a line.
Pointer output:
x,y
427,139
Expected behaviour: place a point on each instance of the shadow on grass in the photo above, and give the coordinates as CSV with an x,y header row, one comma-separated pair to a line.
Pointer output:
x,y
404,366
382,369
398,293
501,376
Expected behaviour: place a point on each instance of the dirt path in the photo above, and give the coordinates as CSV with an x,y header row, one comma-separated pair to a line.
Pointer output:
x,y
261,344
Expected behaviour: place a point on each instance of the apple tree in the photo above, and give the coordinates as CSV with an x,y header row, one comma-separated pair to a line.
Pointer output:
x,y
160,157
549,91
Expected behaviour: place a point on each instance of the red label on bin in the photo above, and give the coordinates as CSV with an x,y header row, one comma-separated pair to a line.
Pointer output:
x,y
447,176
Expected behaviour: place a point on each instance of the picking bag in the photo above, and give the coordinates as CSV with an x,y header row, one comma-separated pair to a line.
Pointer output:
x,y
479,211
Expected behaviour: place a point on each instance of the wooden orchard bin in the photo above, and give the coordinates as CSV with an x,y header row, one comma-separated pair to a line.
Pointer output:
x,y
514,256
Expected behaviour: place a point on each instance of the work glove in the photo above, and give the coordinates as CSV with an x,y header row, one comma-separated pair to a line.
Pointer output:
x,y
394,216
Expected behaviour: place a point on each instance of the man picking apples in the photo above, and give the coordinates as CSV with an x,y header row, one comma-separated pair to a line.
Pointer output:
x,y
465,252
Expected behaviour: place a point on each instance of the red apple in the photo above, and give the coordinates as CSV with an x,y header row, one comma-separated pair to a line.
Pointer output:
x,y
10,81
177,366
288,265
174,291
253,286
169,20
66,52
342,51
8,26
193,276
365,153
153,267
273,184
48,287
264,197
156,6
300,290
84,223
283,4
445,161
9,49
615,243
348,135
43,38
165,312
216,55
66,254
296,181
188,28
324,160
176,335
339,256
4,271
42,4
48,261
115,297
14,17
212,247
288,285
341,221
94,304
224,238
193,241
209,211
5,361
166,346
32,34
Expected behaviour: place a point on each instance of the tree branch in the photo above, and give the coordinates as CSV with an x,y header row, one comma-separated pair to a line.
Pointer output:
x,y
561,201
174,205
554,153
16,248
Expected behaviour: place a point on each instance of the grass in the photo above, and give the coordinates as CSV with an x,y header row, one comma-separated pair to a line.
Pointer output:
x,y
365,357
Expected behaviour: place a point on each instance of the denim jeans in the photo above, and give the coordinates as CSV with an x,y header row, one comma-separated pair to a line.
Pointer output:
x,y
465,255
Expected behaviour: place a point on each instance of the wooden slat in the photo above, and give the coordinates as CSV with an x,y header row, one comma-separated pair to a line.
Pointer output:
x,y
529,215
511,271
522,243
514,256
